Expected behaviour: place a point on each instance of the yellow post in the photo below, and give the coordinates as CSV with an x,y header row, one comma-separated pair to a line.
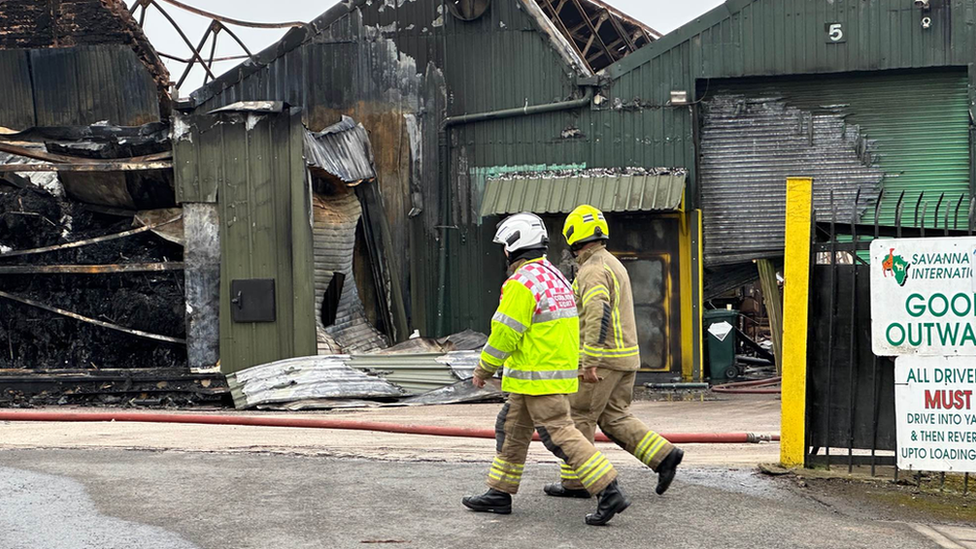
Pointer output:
x,y
799,221
690,291
685,293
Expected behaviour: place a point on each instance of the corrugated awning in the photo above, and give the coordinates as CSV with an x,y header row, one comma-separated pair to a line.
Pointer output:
x,y
611,193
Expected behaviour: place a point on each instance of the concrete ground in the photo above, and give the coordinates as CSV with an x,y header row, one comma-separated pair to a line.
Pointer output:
x,y
124,485
757,414
118,499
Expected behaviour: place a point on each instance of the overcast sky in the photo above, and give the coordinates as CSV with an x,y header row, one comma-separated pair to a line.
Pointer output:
x,y
662,15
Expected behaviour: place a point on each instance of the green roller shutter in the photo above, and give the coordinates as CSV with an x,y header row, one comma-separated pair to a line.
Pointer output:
x,y
896,131
919,126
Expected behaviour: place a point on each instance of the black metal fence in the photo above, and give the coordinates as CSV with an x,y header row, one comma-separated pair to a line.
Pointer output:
x,y
850,391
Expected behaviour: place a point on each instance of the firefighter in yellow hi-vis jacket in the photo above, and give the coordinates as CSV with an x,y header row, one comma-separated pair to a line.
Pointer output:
x,y
535,342
609,356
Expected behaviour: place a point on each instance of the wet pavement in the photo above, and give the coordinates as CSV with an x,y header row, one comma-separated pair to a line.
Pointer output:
x,y
41,511
110,498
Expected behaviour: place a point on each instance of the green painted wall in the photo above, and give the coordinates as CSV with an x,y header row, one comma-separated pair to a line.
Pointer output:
x,y
252,165
374,59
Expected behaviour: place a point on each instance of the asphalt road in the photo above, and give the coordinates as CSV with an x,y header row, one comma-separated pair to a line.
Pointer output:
x,y
108,499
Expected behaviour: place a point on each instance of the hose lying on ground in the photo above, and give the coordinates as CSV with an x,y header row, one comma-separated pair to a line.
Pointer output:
x,y
321,423
756,387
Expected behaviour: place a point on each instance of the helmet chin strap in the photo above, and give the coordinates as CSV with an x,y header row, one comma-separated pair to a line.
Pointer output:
x,y
526,254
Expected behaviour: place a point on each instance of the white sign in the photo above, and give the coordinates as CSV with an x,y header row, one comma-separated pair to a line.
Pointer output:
x,y
720,330
922,296
935,413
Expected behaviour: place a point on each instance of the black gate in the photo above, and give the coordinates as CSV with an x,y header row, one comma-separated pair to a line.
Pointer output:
x,y
850,417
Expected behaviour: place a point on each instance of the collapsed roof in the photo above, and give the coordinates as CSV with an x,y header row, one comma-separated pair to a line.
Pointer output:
x,y
600,34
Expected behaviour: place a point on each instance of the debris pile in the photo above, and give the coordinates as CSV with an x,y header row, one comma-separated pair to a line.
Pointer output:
x,y
344,381
38,339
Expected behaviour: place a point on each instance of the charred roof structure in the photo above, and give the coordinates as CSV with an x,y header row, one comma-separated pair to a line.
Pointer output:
x,y
459,95
91,288
599,33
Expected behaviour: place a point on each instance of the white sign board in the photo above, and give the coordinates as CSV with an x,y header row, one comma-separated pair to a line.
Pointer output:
x,y
934,413
922,296
720,330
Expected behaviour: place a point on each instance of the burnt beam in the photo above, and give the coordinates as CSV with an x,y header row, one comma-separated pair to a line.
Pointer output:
x,y
593,29
617,26
92,269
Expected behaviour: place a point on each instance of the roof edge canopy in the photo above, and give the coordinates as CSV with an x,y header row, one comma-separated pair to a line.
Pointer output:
x,y
630,190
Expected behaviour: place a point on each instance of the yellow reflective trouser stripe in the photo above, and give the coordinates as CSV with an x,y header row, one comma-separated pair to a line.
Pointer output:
x,y
567,473
506,472
511,479
597,474
593,469
502,464
649,447
597,290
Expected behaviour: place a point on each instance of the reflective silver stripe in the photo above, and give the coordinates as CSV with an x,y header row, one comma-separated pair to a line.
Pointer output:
x,y
541,376
510,322
554,315
493,352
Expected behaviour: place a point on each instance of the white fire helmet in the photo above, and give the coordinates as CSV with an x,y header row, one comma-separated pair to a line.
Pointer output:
x,y
521,231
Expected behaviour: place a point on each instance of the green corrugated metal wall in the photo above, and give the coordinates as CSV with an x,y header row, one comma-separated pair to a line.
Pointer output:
x,y
635,125
501,61
253,166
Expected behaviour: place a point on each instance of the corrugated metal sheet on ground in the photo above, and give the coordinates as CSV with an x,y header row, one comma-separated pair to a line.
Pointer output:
x,y
541,194
462,363
900,132
45,180
468,340
342,150
310,377
418,373
456,393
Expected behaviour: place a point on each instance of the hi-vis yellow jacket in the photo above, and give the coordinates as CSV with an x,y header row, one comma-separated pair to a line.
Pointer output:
x,y
534,333
608,329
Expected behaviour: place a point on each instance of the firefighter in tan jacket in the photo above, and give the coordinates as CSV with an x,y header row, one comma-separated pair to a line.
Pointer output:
x,y
609,355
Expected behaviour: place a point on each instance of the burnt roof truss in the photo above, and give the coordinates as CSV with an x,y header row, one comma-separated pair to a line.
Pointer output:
x,y
599,33
218,24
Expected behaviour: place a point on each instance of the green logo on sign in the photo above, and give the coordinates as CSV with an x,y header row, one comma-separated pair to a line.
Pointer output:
x,y
897,266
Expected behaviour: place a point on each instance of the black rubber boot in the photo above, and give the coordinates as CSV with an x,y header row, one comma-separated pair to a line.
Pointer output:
x,y
492,501
556,489
612,501
667,469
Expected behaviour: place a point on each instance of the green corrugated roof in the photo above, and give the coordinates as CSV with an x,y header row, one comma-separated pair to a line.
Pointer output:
x,y
610,193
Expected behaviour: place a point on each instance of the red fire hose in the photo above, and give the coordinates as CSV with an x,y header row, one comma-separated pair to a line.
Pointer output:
x,y
319,423
755,387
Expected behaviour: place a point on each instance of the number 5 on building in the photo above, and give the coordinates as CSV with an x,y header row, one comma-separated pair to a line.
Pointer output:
x,y
835,33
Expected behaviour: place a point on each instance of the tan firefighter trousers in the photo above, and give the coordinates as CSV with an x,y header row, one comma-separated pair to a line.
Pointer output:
x,y
521,416
607,404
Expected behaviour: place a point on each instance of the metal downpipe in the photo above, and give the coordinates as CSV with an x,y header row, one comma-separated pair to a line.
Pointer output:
x,y
444,161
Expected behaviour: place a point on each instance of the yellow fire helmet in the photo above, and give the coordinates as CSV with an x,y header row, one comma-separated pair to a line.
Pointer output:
x,y
585,224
